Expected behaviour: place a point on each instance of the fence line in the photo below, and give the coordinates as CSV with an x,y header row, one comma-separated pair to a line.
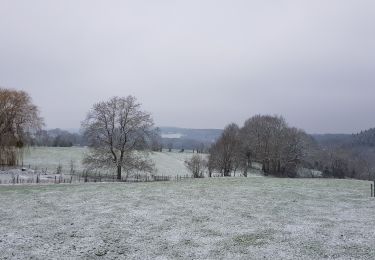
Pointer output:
x,y
41,176
88,178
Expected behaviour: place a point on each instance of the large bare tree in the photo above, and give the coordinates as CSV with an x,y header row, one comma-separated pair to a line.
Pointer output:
x,y
19,118
118,132
270,141
225,151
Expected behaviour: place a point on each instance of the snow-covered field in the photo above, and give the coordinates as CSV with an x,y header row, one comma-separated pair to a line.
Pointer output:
x,y
218,218
166,163
44,161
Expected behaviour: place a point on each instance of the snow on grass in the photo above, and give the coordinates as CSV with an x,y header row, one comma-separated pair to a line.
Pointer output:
x,y
171,163
217,218
166,163
51,157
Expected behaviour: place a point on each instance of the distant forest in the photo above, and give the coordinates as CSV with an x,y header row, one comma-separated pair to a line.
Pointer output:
x,y
354,152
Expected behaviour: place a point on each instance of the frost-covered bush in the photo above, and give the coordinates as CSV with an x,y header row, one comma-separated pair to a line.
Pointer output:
x,y
196,165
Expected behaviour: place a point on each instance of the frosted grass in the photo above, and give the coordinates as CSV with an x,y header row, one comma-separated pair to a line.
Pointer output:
x,y
218,218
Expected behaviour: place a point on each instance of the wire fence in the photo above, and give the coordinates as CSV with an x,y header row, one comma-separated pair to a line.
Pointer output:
x,y
26,174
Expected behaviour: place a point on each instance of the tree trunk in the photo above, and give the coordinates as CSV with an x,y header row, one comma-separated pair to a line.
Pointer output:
x,y
119,172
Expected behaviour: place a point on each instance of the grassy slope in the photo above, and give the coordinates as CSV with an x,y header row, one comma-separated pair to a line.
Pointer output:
x,y
220,218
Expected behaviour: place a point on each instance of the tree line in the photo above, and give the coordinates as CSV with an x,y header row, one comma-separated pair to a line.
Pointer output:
x,y
120,135
282,150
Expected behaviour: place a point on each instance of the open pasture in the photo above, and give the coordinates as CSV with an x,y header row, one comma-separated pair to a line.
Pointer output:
x,y
217,218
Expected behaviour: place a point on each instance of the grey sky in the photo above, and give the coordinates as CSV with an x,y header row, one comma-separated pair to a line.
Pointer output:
x,y
196,63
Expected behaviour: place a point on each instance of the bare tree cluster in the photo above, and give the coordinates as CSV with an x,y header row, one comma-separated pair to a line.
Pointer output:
x,y
264,139
19,119
119,133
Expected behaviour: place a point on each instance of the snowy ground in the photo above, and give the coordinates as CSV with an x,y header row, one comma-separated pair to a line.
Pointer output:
x,y
44,161
218,218
166,163
27,176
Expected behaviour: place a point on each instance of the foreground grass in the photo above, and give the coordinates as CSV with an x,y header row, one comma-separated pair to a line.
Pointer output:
x,y
234,218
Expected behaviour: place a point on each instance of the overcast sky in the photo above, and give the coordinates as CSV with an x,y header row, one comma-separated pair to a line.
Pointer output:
x,y
196,63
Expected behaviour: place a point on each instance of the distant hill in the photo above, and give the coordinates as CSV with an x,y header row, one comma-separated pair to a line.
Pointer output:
x,y
187,138
204,135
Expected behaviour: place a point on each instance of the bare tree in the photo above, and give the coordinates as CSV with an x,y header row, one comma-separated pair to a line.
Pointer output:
x,y
224,152
262,137
196,165
156,140
118,133
19,119
170,147
72,167
294,145
211,163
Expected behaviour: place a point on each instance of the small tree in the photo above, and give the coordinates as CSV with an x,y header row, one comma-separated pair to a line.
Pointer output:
x,y
72,167
156,141
59,169
196,165
118,134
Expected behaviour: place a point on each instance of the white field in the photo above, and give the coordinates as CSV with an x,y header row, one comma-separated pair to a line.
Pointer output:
x,y
46,160
217,218
166,163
